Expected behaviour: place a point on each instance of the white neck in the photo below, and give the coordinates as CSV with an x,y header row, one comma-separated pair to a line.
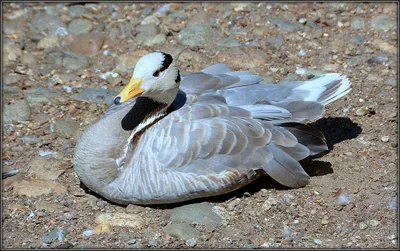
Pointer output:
x,y
165,96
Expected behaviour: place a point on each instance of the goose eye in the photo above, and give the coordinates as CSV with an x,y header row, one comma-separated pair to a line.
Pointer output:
x,y
156,74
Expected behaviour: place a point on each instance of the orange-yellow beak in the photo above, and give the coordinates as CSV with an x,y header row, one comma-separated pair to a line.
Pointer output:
x,y
131,90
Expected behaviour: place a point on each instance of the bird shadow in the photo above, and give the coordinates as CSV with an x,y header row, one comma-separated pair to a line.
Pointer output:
x,y
335,131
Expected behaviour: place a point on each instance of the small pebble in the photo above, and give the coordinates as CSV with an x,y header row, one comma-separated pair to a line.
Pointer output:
x,y
317,241
324,222
265,245
287,197
302,52
132,241
191,242
88,233
393,204
385,138
154,243
362,225
45,153
302,20
374,223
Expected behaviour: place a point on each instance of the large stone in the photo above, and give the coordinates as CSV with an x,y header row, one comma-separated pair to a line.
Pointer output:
x,y
11,52
80,26
199,35
98,95
286,25
383,22
182,231
357,23
107,220
36,187
48,42
49,24
66,128
12,79
146,32
41,94
201,214
158,39
46,167
19,110
88,44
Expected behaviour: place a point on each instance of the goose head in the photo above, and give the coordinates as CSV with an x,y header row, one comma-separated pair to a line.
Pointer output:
x,y
155,76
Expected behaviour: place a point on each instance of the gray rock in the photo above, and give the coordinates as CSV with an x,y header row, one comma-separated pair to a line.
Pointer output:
x,y
29,140
290,77
274,43
46,167
158,39
357,40
286,25
28,59
199,35
49,42
88,44
268,80
390,81
11,79
51,10
80,26
146,32
191,242
76,11
154,243
54,235
182,231
357,23
75,61
17,111
314,26
136,245
35,37
383,22
66,128
11,52
200,213
98,95
99,28
122,31
228,42
11,89
357,60
378,59
41,94
49,24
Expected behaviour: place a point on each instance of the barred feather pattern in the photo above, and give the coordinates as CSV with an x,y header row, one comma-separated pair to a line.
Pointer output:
x,y
229,127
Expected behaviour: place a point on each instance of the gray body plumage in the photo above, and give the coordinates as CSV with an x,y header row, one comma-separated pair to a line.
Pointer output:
x,y
229,127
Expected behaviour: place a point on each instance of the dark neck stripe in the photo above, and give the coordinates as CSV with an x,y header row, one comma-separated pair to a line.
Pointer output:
x,y
178,78
167,61
143,109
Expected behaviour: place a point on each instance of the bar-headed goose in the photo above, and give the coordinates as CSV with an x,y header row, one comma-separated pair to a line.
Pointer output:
x,y
169,138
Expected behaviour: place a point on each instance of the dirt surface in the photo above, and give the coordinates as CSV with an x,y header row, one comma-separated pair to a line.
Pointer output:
x,y
351,200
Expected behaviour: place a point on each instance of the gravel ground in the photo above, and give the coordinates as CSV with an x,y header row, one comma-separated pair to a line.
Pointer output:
x,y
63,63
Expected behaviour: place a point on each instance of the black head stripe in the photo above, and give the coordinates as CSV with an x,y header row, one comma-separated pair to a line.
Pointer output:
x,y
178,78
167,61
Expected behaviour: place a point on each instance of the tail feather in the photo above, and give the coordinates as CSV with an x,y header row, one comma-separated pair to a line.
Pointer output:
x,y
326,88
